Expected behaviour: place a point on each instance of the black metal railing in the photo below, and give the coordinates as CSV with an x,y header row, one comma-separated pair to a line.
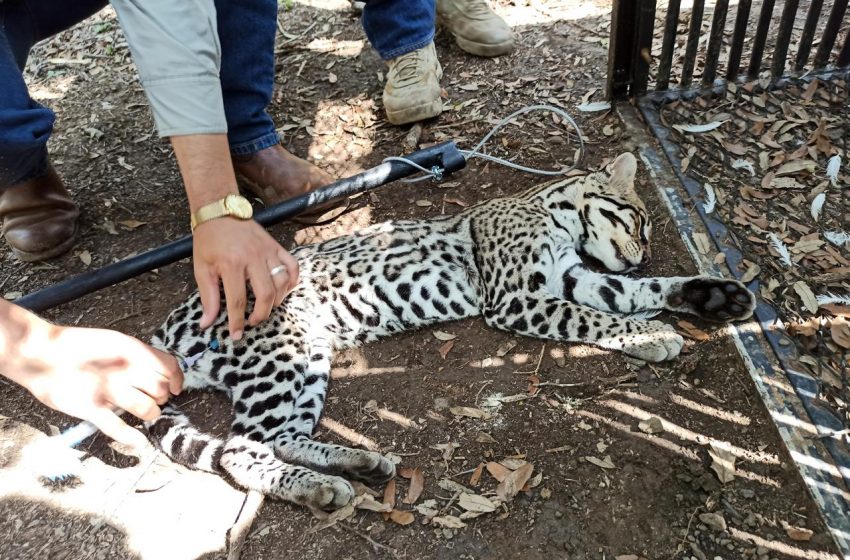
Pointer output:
x,y
632,63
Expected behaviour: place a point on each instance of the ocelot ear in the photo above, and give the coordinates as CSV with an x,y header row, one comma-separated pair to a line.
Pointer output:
x,y
623,173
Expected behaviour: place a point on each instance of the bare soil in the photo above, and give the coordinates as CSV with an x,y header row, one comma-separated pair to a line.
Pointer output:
x,y
398,393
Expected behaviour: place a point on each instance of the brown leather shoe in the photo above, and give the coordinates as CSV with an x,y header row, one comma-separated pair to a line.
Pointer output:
x,y
39,217
274,175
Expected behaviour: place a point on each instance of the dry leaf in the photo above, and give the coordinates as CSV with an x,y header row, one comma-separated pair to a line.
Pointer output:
x,y
368,503
423,203
12,295
799,533
722,461
440,335
476,476
484,437
806,296
505,347
389,497
132,224
401,517
475,503
605,463
497,471
512,463
469,412
693,331
514,482
85,256
448,521
839,330
417,483
344,512
446,348
796,166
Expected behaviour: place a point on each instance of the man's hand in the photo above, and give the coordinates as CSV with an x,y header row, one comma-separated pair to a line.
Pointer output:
x,y
226,250
234,252
87,373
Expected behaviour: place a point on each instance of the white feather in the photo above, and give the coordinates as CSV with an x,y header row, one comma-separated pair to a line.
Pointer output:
x,y
710,199
594,107
817,206
837,238
643,315
826,299
698,128
832,168
744,164
782,249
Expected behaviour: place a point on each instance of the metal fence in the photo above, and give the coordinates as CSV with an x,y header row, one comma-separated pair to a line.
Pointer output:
x,y
632,60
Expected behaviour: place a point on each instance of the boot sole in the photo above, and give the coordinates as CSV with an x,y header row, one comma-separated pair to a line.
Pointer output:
x,y
487,50
415,114
60,249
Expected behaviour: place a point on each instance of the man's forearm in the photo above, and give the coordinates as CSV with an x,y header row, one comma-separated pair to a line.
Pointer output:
x,y
204,161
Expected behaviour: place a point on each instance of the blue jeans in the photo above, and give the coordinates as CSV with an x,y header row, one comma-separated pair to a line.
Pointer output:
x,y
246,31
397,27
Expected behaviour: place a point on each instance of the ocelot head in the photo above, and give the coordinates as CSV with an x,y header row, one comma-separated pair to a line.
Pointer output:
x,y
614,219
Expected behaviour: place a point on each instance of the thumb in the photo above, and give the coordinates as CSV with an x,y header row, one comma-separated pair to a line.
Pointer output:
x,y
111,424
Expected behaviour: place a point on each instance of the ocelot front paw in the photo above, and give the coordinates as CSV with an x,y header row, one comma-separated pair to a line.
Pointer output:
x,y
715,299
653,341
321,491
368,467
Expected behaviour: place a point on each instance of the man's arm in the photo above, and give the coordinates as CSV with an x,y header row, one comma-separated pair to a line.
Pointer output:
x,y
228,250
176,49
87,373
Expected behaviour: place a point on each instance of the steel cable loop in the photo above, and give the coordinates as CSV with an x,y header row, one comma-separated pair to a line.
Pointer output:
x,y
436,173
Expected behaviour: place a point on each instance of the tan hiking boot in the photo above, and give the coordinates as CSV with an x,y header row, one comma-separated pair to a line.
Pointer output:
x,y
412,92
476,28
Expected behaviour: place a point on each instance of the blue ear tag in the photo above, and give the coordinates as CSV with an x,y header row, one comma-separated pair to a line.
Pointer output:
x,y
191,360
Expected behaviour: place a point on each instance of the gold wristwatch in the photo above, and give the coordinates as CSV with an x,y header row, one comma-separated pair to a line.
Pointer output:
x,y
234,205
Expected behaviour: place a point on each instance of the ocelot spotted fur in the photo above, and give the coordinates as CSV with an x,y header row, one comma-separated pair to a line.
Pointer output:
x,y
517,261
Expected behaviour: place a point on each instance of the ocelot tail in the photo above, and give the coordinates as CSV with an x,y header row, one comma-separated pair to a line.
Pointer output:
x,y
516,261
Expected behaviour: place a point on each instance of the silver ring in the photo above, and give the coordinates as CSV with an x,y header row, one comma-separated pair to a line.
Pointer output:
x,y
277,270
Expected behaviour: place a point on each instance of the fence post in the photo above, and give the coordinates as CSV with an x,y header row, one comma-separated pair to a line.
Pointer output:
x,y
630,47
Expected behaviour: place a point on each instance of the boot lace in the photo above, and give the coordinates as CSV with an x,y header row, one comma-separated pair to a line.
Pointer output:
x,y
406,68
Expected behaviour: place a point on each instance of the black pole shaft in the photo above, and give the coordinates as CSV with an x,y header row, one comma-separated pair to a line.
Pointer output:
x,y
715,41
445,156
694,33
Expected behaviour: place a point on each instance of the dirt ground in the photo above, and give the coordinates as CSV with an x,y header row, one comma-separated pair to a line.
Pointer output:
x,y
608,488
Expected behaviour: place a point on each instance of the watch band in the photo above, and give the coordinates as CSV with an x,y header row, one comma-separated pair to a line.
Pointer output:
x,y
232,205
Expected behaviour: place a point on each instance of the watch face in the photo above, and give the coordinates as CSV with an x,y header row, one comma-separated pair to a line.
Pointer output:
x,y
239,207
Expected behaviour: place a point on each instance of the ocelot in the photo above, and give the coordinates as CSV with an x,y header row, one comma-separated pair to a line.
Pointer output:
x,y
516,261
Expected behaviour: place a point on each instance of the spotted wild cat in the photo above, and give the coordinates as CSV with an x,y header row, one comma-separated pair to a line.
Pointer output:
x,y
516,261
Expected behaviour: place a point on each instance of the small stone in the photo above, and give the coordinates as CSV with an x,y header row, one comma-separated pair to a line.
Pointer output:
x,y
714,520
441,403
651,425
747,493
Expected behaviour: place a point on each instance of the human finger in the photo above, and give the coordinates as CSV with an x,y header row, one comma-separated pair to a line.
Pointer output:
x,y
133,400
111,424
292,271
263,286
152,384
236,299
208,289
170,370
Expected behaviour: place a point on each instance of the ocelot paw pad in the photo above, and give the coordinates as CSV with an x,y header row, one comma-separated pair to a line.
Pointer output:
x,y
715,299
